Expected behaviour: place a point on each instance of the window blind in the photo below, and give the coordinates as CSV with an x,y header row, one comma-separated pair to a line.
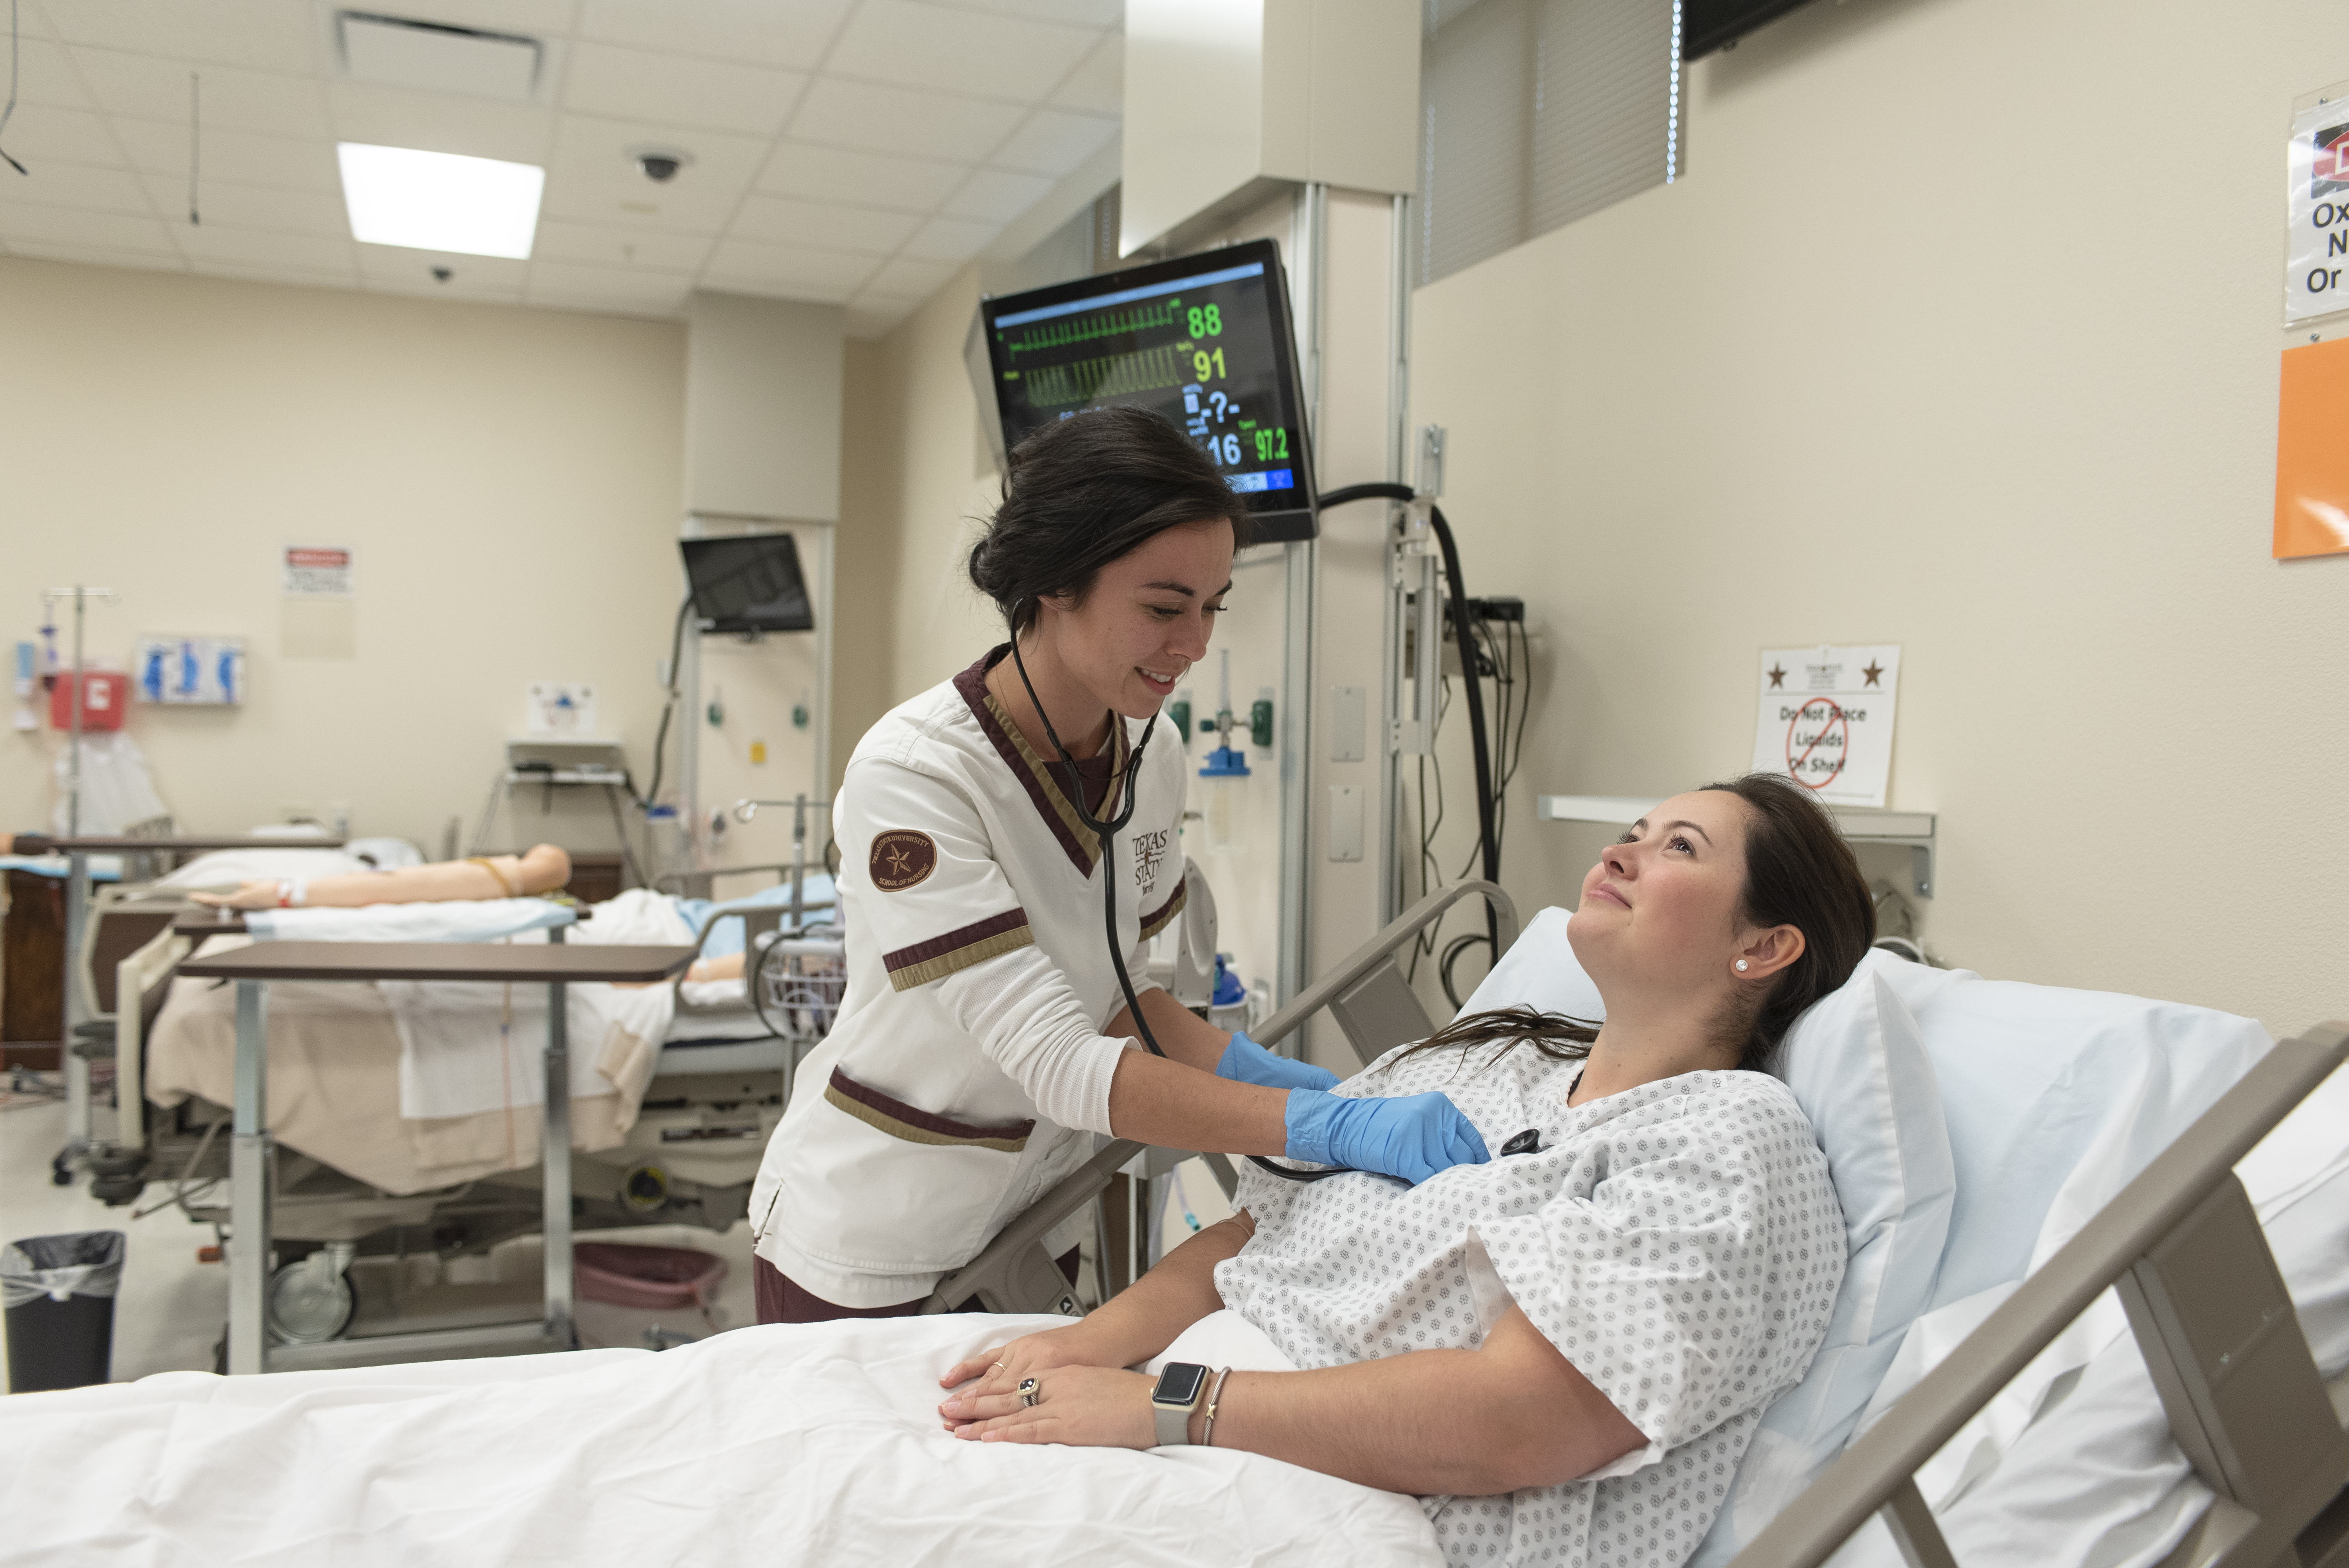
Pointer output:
x,y
1534,113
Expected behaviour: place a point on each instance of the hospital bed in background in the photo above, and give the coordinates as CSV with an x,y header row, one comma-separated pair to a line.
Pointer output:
x,y
2079,1225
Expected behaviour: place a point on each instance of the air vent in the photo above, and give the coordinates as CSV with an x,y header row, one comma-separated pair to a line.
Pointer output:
x,y
434,57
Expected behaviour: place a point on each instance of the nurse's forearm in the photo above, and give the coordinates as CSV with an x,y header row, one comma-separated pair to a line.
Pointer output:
x,y
1182,1034
1177,1107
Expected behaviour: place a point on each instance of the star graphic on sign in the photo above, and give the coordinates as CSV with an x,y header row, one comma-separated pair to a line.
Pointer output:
x,y
1777,674
1872,671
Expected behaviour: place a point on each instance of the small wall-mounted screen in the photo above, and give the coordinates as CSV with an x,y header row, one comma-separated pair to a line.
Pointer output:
x,y
750,582
1204,340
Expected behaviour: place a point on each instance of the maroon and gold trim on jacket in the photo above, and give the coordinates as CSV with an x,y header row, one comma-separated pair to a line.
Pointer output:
x,y
1158,919
959,949
1043,784
898,1119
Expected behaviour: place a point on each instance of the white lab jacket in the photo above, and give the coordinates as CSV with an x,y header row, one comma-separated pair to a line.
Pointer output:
x,y
967,1061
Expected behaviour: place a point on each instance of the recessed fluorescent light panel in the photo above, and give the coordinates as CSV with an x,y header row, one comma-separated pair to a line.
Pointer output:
x,y
440,202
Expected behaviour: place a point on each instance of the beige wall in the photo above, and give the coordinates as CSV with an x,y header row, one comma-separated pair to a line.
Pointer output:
x,y
510,480
1960,333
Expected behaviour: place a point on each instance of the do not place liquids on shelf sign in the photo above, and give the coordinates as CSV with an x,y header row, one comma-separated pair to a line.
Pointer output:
x,y
1825,720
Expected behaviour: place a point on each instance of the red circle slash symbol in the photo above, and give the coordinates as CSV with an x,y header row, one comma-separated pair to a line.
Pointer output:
x,y
1830,719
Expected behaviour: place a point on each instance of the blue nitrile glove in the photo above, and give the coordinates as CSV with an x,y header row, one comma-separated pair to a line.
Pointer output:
x,y
1413,1137
1247,1062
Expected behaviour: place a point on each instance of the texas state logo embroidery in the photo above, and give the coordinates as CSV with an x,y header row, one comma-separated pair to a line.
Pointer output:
x,y
901,857
1149,855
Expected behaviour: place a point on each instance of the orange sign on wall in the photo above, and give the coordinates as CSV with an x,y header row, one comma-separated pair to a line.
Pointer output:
x,y
2312,515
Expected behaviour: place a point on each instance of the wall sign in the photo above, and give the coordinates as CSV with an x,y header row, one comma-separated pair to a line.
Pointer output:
x,y
318,571
2316,251
1825,720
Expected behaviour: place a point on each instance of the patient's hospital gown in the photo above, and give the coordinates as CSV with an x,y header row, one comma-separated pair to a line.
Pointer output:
x,y
1677,1242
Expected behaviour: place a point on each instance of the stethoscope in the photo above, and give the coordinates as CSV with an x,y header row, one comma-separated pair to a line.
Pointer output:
x,y
1076,792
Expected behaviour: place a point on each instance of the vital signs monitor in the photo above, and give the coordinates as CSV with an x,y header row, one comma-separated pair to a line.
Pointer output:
x,y
1204,340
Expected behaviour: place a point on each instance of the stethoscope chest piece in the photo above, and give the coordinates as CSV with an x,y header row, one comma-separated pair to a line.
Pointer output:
x,y
1526,1142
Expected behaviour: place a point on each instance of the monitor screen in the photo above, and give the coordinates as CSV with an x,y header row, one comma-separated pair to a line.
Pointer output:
x,y
750,582
1204,340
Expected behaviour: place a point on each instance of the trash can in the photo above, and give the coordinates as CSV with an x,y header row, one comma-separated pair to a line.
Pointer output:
x,y
58,1292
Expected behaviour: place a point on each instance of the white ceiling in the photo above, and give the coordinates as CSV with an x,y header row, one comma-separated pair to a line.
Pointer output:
x,y
852,152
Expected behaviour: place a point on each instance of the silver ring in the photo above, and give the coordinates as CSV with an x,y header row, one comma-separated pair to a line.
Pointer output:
x,y
1028,1392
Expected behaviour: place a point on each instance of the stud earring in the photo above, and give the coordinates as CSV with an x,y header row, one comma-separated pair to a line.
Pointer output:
x,y
1741,966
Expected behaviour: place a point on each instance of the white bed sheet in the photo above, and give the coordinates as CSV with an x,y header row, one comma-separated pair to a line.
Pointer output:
x,y
788,1444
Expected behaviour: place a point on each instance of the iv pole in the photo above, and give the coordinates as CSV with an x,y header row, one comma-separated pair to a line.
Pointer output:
x,y
77,1067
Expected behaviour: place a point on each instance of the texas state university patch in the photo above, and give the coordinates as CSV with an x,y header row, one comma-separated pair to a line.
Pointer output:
x,y
901,857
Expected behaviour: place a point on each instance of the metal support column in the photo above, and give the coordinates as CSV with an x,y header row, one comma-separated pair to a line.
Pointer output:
x,y
249,1184
554,1159
76,1065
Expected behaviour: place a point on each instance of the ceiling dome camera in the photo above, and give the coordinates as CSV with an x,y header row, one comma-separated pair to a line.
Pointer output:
x,y
660,164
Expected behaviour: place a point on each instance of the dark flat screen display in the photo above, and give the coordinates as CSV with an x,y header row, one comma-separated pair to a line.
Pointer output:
x,y
748,583
1204,340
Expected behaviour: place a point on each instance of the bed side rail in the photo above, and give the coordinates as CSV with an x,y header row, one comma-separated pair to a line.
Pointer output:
x,y
2211,1315
1366,993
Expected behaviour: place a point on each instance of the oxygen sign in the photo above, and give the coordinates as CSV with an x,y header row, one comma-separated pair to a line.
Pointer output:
x,y
2316,267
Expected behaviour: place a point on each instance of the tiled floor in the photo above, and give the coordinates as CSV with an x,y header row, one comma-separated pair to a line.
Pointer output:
x,y
172,1308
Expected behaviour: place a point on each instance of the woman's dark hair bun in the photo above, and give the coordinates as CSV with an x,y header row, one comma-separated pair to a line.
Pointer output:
x,y
1085,491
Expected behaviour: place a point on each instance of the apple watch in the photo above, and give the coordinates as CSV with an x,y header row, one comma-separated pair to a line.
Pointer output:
x,y
1180,1388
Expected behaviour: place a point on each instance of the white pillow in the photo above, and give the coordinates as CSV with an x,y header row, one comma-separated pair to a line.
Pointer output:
x,y
1858,1067
227,868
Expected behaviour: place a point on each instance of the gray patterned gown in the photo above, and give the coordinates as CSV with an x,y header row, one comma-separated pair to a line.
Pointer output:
x,y
1679,1243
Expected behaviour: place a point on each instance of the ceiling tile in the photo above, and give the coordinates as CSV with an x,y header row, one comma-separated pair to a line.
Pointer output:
x,y
950,240
266,35
866,118
144,88
37,135
161,148
635,83
915,45
744,267
295,277
1054,143
822,226
258,248
72,226
603,288
911,279
791,32
866,179
75,185
1098,87
44,76
94,256
401,269
440,122
1075,13
527,18
996,197
637,248
592,179
266,207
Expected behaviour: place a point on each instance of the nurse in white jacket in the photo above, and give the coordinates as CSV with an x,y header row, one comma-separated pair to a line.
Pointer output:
x,y
984,1031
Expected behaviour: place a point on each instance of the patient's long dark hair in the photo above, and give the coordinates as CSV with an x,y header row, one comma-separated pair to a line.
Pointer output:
x,y
1798,873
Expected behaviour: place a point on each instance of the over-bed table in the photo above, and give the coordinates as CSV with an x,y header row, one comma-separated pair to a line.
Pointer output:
x,y
554,965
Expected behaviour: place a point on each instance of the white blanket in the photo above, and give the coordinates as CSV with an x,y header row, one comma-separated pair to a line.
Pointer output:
x,y
814,1443
466,1048
452,920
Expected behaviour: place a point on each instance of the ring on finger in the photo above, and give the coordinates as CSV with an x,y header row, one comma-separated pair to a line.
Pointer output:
x,y
1029,1392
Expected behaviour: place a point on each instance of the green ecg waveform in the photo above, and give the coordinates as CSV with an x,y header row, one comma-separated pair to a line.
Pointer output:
x,y
1083,380
1084,329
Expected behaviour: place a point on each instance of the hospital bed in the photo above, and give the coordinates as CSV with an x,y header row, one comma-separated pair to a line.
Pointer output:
x,y
2143,1314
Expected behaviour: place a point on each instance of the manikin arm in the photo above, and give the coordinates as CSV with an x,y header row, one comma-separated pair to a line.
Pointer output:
x,y
544,869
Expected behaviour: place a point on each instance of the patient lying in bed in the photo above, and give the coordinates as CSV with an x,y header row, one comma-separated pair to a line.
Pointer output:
x,y
1562,1352
1600,1319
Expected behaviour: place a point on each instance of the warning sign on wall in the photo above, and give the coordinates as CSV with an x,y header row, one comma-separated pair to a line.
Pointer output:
x,y
2316,253
318,571
1825,720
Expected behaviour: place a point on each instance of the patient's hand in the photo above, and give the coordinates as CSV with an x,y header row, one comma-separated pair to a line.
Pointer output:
x,y
999,1370
1091,1407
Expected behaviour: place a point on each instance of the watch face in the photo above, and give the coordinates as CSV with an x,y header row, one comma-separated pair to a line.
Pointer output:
x,y
1179,1384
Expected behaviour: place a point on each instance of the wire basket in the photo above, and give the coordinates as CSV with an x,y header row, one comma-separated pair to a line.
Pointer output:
x,y
797,987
